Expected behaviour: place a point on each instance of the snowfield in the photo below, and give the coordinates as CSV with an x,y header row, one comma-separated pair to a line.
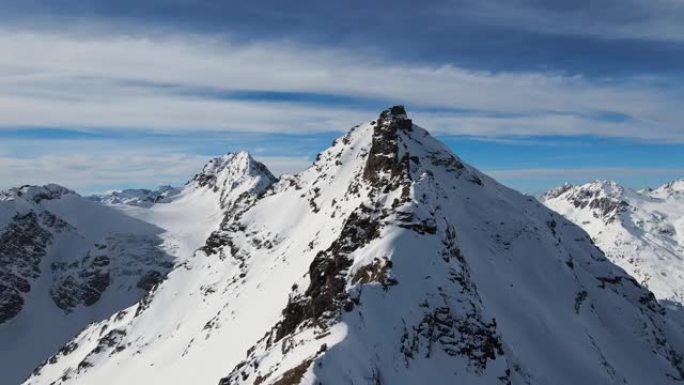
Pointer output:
x,y
388,261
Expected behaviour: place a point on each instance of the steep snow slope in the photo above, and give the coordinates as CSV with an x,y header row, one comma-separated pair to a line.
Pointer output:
x,y
190,216
389,261
66,261
642,232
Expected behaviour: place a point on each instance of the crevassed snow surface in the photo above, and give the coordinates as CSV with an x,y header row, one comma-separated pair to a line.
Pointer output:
x,y
389,261
642,232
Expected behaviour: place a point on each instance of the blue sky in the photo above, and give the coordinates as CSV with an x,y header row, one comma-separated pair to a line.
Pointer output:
x,y
98,95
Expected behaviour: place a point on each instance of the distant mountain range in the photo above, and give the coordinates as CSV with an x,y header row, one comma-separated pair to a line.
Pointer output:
x,y
137,197
640,231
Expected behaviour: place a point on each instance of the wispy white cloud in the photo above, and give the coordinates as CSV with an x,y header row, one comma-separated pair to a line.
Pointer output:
x,y
585,174
649,20
119,82
164,84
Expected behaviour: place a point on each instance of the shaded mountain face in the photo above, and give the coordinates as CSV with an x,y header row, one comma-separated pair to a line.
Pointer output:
x,y
642,232
53,233
389,261
67,261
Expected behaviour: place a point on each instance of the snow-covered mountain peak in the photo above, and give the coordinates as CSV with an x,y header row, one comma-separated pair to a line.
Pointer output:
x,y
607,188
642,232
388,261
604,199
36,193
232,164
385,151
231,175
674,189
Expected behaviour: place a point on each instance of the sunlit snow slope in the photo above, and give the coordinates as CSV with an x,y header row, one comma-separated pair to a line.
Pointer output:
x,y
389,261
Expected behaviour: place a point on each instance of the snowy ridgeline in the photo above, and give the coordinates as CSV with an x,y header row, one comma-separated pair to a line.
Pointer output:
x,y
137,197
389,261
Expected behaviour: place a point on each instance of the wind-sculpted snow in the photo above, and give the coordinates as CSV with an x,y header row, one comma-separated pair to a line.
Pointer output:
x,y
389,261
642,232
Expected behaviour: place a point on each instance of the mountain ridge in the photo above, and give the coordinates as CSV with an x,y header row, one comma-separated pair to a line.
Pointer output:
x,y
389,260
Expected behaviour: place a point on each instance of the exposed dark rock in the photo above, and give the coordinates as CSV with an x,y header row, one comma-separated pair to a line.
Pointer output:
x,y
581,296
467,336
326,292
383,166
11,303
377,271
150,280
23,244
112,339
603,207
294,376
606,206
85,286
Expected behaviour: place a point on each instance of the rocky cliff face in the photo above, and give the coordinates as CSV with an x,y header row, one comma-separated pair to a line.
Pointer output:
x,y
388,261
23,244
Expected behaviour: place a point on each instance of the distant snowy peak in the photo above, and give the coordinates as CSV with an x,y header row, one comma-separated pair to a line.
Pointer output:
x,y
605,199
137,197
232,175
642,232
674,189
36,193
230,167
606,188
